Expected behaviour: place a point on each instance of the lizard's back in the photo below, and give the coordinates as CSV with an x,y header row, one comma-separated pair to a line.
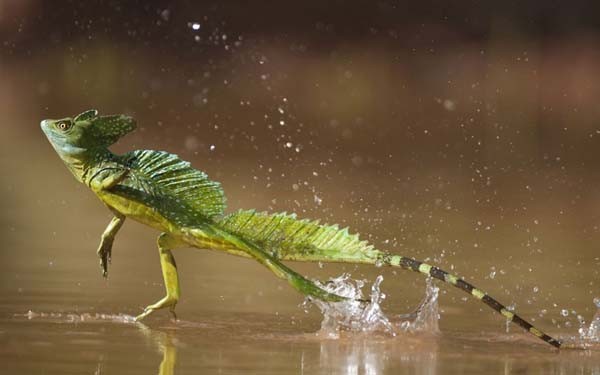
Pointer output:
x,y
165,192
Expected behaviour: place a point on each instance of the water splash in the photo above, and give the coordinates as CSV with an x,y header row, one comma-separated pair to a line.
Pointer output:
x,y
354,315
427,315
79,318
591,333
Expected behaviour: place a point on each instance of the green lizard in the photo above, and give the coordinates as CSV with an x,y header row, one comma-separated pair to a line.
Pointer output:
x,y
158,189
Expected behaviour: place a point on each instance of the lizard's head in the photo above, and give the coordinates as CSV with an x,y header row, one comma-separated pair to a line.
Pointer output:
x,y
74,136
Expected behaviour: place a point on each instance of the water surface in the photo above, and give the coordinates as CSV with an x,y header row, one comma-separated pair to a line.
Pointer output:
x,y
458,140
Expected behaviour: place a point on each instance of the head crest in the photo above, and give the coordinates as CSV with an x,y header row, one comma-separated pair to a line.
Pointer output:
x,y
106,130
87,115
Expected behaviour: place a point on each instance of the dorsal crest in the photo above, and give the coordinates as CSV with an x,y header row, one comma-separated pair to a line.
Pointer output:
x,y
160,172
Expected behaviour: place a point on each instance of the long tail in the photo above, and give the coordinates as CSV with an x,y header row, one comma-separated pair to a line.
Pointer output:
x,y
284,237
437,273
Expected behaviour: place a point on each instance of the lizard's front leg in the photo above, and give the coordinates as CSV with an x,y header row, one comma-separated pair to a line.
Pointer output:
x,y
106,242
166,243
108,177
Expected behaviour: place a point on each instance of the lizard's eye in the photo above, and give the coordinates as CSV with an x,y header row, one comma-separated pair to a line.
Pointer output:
x,y
63,125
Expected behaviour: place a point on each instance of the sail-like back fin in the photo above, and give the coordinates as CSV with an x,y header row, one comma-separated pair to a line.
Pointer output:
x,y
288,238
164,173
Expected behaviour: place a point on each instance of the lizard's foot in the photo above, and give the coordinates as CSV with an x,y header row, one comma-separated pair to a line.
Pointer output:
x,y
105,255
167,301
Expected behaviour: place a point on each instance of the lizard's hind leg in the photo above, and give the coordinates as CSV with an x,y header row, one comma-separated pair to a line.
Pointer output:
x,y
166,243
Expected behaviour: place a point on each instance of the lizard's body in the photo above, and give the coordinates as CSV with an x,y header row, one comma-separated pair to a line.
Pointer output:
x,y
165,193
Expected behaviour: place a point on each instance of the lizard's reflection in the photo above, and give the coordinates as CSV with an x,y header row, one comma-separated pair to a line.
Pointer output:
x,y
165,342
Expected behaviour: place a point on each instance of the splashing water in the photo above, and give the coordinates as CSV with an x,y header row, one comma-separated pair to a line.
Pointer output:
x,y
591,333
427,315
354,315
79,318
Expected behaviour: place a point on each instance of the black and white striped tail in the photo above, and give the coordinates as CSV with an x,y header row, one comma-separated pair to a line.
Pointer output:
x,y
415,265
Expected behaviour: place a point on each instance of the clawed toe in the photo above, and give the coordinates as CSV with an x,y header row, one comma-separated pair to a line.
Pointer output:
x,y
165,302
172,310
147,311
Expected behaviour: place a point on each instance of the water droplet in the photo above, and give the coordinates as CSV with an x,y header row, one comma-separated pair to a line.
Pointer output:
x,y
564,312
195,26
165,14
449,105
212,147
357,161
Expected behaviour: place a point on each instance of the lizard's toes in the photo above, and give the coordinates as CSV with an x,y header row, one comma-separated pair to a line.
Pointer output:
x,y
172,310
147,311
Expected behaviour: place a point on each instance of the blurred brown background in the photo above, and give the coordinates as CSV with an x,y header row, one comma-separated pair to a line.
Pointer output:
x,y
463,134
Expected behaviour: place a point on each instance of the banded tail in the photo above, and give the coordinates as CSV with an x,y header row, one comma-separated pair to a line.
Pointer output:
x,y
285,237
437,273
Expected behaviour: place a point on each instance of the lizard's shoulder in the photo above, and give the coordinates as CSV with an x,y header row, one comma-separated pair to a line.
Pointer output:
x,y
164,173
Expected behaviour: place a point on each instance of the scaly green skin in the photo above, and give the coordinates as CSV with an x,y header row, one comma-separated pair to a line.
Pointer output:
x,y
160,190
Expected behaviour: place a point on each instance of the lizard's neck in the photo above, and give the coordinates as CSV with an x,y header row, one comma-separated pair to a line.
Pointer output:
x,y
83,162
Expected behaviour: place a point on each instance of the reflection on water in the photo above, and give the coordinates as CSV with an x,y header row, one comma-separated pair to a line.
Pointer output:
x,y
165,342
364,355
106,344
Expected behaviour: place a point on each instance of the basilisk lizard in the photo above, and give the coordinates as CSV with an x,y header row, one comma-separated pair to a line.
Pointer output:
x,y
158,189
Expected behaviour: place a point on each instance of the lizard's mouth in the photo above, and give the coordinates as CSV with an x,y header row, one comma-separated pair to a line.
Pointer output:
x,y
45,124
55,141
